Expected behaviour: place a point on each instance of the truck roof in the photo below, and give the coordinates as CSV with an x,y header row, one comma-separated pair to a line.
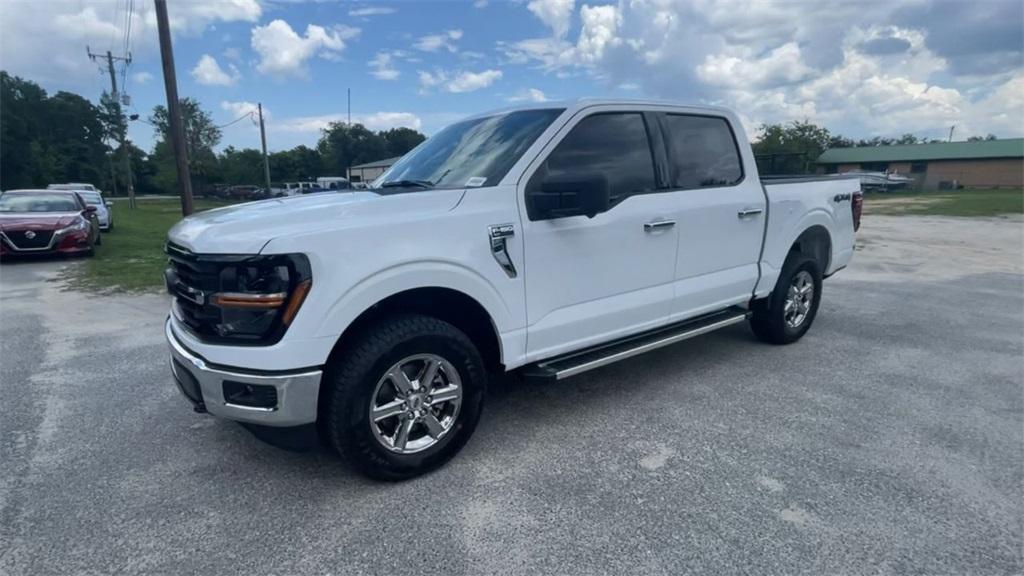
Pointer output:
x,y
581,103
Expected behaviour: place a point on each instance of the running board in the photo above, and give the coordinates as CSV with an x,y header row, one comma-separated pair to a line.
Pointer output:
x,y
584,360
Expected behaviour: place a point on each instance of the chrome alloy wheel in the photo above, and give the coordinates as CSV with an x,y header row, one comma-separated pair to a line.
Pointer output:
x,y
415,403
799,299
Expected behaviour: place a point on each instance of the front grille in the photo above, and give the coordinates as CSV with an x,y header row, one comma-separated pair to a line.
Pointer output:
x,y
191,282
40,239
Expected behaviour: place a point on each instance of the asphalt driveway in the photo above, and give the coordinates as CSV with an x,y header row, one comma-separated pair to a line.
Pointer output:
x,y
889,440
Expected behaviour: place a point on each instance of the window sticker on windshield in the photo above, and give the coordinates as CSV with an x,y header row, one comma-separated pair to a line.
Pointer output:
x,y
476,181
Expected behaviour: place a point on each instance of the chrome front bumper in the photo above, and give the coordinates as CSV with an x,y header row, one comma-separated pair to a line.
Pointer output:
x,y
203,385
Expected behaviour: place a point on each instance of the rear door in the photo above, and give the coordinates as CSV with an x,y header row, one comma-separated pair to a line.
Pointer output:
x,y
721,214
589,280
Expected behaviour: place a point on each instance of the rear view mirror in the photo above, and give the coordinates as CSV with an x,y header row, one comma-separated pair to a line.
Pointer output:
x,y
109,204
569,195
90,208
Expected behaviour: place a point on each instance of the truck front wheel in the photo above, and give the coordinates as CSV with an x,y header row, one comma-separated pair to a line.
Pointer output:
x,y
405,397
787,313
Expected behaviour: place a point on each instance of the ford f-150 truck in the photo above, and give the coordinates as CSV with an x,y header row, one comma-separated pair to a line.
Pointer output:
x,y
547,240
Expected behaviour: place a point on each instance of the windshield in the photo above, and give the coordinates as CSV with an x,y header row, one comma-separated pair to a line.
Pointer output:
x,y
91,198
472,153
38,203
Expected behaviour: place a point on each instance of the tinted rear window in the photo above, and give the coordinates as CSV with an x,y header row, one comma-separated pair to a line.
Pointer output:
x,y
702,152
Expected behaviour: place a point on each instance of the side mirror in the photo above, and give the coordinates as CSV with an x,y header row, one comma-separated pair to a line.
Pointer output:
x,y
569,195
108,204
90,209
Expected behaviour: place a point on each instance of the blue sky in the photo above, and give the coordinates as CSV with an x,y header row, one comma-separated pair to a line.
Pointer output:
x,y
861,69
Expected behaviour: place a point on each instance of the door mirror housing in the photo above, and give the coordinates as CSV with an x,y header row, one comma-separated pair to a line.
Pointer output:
x,y
569,195
109,204
90,209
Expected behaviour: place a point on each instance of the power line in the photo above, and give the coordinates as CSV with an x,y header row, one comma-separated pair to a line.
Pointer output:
x,y
248,114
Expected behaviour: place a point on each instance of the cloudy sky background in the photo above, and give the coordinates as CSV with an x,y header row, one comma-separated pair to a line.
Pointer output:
x,y
859,68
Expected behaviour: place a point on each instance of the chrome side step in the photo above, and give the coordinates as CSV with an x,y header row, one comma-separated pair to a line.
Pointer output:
x,y
582,361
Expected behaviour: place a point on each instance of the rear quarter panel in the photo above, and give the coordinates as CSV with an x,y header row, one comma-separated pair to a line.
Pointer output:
x,y
793,208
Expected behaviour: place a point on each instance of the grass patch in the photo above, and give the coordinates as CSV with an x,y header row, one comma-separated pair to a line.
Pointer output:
x,y
131,258
958,203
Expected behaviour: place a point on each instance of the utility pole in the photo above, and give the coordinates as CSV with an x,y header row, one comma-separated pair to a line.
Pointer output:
x,y
126,157
174,107
263,141
349,106
951,132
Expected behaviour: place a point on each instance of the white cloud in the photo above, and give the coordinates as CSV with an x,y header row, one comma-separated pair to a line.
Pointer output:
x,y
47,45
142,77
435,42
457,82
383,66
237,109
283,52
370,11
373,121
470,81
599,32
528,95
783,65
776,62
555,14
480,4
209,73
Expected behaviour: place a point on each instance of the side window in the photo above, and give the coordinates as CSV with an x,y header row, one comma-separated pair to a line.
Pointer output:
x,y
702,152
613,145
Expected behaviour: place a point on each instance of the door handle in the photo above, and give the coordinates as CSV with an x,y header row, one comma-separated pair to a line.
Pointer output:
x,y
658,225
749,212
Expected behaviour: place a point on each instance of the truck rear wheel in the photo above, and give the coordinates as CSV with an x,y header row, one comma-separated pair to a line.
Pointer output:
x,y
788,312
405,398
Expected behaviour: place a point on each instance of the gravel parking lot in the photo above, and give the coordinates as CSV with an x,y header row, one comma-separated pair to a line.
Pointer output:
x,y
889,440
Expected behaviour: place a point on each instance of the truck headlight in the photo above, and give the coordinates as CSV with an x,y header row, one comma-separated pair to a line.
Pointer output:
x,y
236,298
256,297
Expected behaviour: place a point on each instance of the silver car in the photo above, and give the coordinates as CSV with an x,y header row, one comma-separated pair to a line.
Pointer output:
x,y
92,197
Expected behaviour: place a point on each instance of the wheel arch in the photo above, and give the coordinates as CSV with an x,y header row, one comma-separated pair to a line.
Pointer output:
x,y
816,242
453,306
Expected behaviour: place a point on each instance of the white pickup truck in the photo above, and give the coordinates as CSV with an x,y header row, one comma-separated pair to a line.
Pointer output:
x,y
548,240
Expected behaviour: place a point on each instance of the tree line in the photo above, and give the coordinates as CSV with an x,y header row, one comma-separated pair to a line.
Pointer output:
x,y
793,148
66,138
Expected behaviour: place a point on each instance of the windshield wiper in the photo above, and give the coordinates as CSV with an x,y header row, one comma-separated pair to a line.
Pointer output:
x,y
407,183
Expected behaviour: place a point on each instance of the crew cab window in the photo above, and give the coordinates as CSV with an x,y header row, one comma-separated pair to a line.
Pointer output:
x,y
612,145
702,152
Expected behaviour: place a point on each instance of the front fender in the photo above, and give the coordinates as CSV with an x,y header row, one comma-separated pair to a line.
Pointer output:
x,y
421,274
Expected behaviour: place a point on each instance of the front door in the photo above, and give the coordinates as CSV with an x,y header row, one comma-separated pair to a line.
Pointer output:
x,y
589,280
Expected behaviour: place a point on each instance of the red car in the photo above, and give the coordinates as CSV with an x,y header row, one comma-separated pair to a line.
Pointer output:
x,y
46,222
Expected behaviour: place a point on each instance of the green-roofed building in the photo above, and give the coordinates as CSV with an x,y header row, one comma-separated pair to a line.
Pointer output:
x,y
979,164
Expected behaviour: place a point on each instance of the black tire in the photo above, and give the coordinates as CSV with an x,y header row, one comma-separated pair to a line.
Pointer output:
x,y
99,239
352,378
769,318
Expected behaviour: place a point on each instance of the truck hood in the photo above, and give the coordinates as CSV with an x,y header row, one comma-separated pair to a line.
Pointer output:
x,y
247,228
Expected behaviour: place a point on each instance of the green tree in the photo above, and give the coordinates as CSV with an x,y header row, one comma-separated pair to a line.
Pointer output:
x,y
342,145
201,135
982,138
241,166
793,148
398,141
47,139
